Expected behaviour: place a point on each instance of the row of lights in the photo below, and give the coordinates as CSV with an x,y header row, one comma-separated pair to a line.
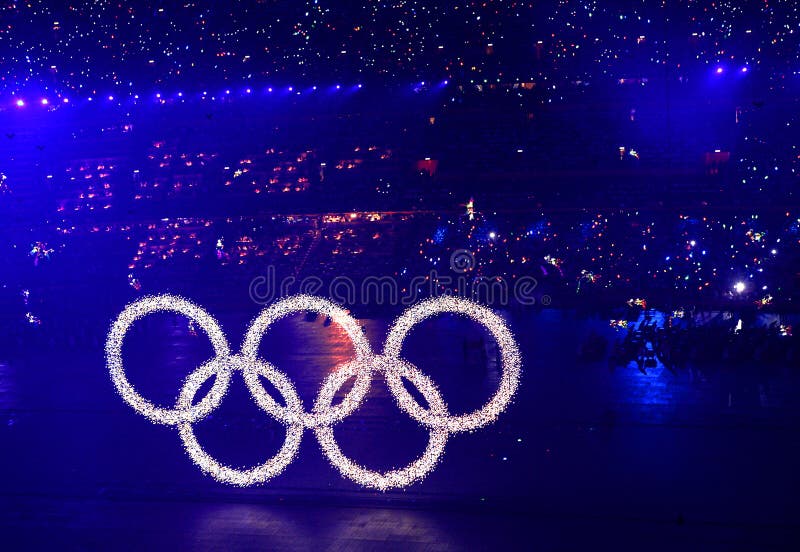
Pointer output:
x,y
44,101
19,102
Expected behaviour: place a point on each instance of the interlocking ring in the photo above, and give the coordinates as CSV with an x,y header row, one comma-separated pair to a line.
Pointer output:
x,y
509,353
301,303
436,418
205,321
294,430
395,478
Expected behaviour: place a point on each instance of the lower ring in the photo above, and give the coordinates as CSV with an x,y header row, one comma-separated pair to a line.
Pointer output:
x,y
401,477
265,471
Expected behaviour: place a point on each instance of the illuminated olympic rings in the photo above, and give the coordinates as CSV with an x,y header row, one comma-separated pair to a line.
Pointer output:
x,y
436,417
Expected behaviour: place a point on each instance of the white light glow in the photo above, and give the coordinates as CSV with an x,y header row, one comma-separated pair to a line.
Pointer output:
x,y
436,418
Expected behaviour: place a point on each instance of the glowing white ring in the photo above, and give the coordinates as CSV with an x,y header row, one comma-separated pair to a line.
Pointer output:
x,y
263,472
305,303
401,477
167,303
511,362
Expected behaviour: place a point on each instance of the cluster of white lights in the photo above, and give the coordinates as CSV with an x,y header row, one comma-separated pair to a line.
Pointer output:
x,y
436,418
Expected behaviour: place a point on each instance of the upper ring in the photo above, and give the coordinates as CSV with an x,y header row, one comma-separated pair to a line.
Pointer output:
x,y
363,371
172,303
511,362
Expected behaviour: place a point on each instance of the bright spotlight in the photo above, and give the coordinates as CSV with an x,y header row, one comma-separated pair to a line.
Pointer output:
x,y
739,287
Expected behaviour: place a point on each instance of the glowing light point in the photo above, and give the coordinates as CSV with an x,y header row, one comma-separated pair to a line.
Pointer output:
x,y
20,103
45,101
739,287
